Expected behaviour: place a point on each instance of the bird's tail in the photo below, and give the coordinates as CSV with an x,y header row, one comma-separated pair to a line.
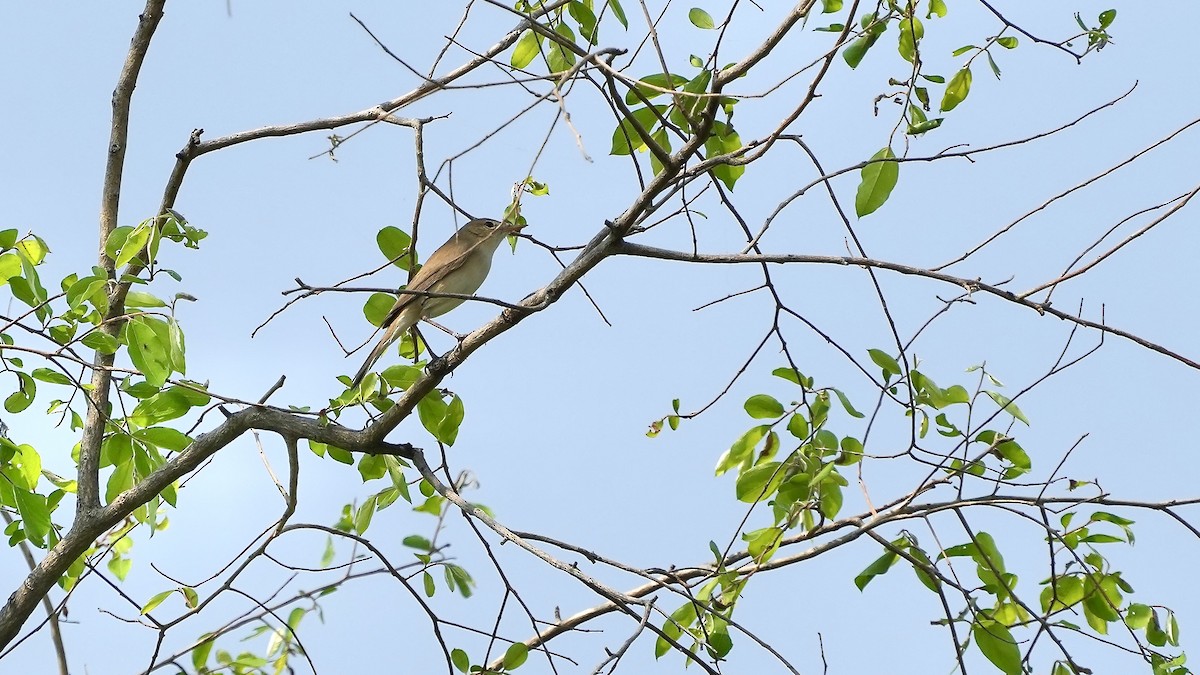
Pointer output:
x,y
389,336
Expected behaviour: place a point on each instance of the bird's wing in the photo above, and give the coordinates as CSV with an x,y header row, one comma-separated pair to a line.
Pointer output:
x,y
441,263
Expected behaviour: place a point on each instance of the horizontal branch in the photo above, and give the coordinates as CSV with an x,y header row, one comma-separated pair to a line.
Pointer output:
x,y
970,285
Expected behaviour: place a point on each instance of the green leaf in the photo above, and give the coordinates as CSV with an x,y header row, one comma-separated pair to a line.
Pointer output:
x,y
163,437
762,406
759,482
460,660
831,6
1008,406
371,467
1008,42
717,145
1062,593
148,351
418,542
586,19
936,8
362,518
201,652
101,342
515,655
447,430
10,266
8,238
880,566
625,138
142,299
525,51
396,246
790,374
559,57
700,18
846,404
430,584
35,515
997,644
20,399
377,307
889,365
911,32
618,12
131,245
653,84
33,249
742,449
155,601
878,180
798,426
167,405
458,579
1107,17
956,90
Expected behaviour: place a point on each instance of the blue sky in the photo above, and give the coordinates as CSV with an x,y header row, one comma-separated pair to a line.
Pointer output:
x,y
557,409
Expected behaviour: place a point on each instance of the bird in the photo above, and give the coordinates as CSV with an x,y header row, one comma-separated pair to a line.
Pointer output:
x,y
458,266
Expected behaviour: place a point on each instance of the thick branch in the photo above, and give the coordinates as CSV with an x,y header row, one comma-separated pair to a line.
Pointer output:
x,y
88,496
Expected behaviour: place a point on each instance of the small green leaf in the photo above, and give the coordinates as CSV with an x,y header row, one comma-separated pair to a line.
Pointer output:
x,y
371,467
831,6
878,180
515,655
762,406
798,426
700,18
957,90
142,299
167,405
625,138
936,8
20,399
759,482
526,49
201,652
880,566
654,83
147,349
51,376
1008,406
101,342
396,246
460,660
1107,17
846,404
163,437
1008,42
362,518
155,601
911,32
885,362
10,266
997,644
742,449
377,308
618,12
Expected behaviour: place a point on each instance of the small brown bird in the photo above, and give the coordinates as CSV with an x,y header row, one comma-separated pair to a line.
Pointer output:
x,y
458,266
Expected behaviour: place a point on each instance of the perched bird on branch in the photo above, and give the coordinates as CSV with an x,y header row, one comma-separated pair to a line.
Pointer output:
x,y
458,266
